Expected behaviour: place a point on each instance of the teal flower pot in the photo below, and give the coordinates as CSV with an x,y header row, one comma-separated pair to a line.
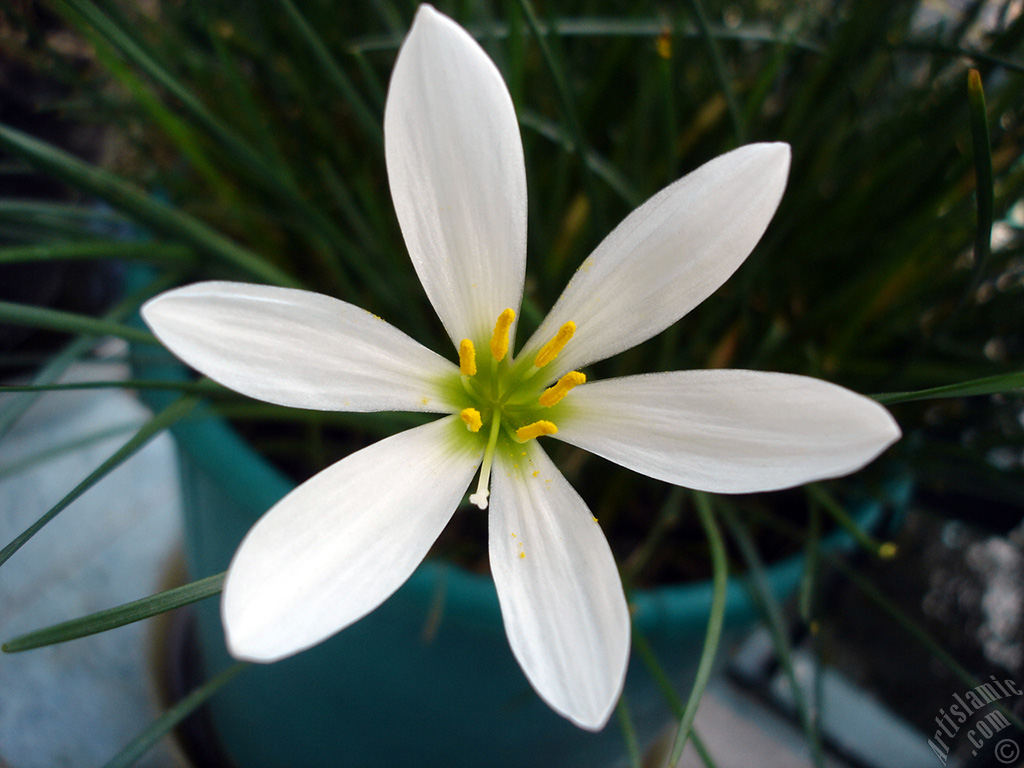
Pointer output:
x,y
427,679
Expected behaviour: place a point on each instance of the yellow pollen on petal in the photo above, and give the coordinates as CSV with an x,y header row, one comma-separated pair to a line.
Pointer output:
x,y
538,428
499,341
550,350
557,391
471,418
467,358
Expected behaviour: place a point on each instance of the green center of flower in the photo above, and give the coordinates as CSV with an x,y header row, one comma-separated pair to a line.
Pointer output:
x,y
508,400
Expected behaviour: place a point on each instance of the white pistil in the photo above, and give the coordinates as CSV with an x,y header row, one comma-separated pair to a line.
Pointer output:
x,y
480,497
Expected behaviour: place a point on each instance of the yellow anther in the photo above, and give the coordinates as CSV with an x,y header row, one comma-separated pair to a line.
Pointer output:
x,y
538,428
471,418
550,350
557,391
467,358
499,341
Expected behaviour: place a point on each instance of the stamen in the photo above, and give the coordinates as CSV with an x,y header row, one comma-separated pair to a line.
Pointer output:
x,y
471,418
538,428
480,497
554,393
467,358
550,350
499,341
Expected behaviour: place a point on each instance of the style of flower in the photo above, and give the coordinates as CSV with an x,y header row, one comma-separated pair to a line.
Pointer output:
x,y
341,543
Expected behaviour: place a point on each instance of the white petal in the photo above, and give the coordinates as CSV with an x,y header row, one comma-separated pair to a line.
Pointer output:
x,y
728,431
341,543
667,256
298,348
455,166
560,593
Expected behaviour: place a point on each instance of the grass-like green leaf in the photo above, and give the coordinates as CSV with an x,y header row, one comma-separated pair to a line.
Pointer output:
x,y
25,462
668,692
370,121
70,322
170,415
809,578
45,211
565,98
101,621
919,633
597,164
625,720
720,582
148,210
725,81
164,254
887,606
765,599
163,725
205,387
982,152
989,385
14,407
884,550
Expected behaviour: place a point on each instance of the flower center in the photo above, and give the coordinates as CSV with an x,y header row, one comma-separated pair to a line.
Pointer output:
x,y
509,402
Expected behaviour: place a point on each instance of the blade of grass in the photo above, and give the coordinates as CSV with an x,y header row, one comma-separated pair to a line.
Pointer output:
x,y
628,732
909,625
725,82
596,27
808,580
989,385
169,254
884,550
163,725
702,751
982,150
70,322
171,414
95,23
668,692
27,462
720,581
599,166
566,103
111,618
89,216
205,387
274,177
916,631
179,130
56,365
149,211
369,120
777,628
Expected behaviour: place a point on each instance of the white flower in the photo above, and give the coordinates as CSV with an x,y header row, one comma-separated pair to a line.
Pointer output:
x,y
338,545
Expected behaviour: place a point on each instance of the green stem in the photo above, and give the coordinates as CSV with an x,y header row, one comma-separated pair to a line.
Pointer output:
x,y
163,725
102,621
